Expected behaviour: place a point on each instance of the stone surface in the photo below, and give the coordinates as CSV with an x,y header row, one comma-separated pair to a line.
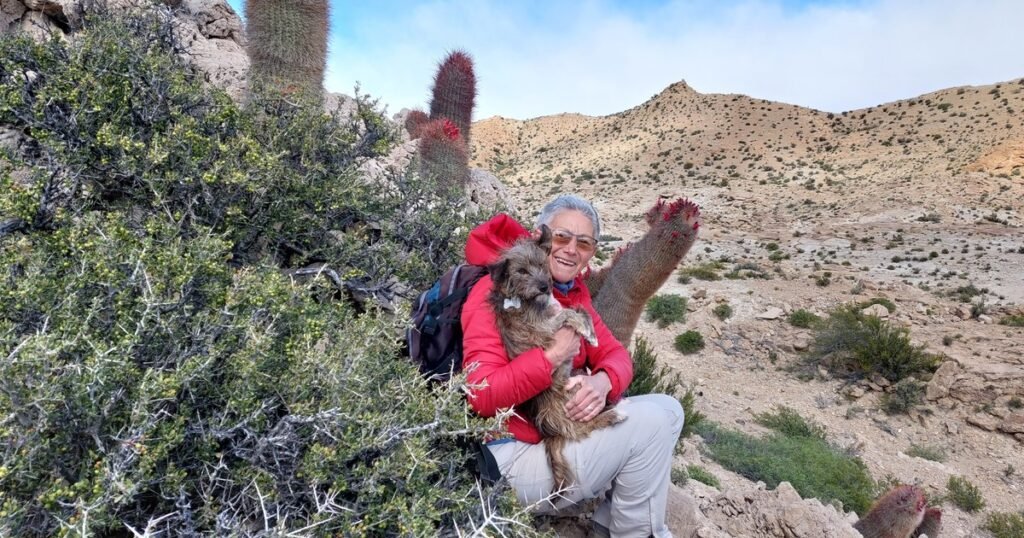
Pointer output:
x,y
876,310
771,313
778,513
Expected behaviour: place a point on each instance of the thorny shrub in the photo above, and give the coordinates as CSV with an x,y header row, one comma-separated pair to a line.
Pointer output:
x,y
160,372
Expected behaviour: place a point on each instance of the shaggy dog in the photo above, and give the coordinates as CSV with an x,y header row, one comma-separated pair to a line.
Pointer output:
x,y
528,317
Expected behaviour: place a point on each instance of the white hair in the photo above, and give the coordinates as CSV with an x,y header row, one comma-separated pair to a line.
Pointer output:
x,y
564,202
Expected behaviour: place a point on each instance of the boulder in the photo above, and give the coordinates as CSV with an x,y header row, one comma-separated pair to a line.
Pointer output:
x,y
486,191
771,313
877,310
778,513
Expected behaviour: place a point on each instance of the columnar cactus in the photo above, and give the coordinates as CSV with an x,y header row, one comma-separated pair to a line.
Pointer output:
x,y
287,44
621,290
443,154
414,123
454,92
894,515
931,525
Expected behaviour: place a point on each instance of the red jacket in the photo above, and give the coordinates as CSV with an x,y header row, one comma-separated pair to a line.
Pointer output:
x,y
508,381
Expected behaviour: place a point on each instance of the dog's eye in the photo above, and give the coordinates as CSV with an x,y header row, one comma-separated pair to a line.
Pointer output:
x,y
522,271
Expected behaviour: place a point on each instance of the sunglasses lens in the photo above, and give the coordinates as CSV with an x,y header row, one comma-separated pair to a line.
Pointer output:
x,y
584,243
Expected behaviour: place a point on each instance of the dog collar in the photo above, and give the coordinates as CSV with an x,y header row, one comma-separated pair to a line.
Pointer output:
x,y
512,303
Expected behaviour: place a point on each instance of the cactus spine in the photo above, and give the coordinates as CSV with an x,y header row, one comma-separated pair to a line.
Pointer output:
x,y
454,92
414,123
621,290
894,515
287,45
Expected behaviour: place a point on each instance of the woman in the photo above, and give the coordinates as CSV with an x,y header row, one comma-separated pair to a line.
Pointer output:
x,y
629,464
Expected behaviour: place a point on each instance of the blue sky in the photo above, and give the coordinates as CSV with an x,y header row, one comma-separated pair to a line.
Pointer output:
x,y
598,57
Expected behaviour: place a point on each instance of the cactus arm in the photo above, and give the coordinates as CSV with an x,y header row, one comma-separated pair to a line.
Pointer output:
x,y
287,44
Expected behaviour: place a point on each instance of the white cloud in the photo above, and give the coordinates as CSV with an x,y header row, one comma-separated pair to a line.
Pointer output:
x,y
598,58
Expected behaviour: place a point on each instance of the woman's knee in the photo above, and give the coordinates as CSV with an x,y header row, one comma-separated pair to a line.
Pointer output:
x,y
659,411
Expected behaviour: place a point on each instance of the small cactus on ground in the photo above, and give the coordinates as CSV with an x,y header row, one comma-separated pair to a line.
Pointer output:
x,y
454,92
443,155
414,123
931,525
621,289
894,515
287,45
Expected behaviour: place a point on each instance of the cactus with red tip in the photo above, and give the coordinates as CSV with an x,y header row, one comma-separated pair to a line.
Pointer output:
x,y
931,525
443,154
621,289
414,123
894,515
287,45
454,92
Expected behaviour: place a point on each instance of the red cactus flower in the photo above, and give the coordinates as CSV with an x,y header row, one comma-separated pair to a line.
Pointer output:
x,y
450,130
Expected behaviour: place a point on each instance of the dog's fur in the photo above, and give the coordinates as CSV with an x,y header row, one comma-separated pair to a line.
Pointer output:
x,y
528,316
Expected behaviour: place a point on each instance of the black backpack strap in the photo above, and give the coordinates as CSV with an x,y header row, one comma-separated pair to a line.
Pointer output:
x,y
486,465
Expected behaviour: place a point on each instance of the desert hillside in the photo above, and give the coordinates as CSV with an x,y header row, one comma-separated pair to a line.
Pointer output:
x,y
916,201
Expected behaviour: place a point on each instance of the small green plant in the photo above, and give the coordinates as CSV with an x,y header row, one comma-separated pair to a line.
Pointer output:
x,y
927,452
723,311
823,279
947,340
702,475
788,422
679,476
689,342
906,395
803,319
1015,403
651,378
666,309
704,271
964,494
812,466
1005,524
1014,320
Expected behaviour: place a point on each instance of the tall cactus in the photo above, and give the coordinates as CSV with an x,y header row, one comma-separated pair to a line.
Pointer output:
x,y
894,515
287,45
443,154
621,290
454,92
414,122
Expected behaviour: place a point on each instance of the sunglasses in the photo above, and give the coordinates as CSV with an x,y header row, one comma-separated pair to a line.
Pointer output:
x,y
584,243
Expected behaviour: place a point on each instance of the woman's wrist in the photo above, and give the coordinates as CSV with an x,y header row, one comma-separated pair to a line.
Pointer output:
x,y
605,380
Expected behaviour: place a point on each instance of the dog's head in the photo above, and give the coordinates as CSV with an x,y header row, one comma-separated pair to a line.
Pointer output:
x,y
522,271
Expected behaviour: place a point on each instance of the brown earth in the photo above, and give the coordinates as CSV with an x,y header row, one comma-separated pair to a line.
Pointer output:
x,y
908,201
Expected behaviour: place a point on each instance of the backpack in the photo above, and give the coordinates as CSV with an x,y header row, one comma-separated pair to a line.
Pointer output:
x,y
434,341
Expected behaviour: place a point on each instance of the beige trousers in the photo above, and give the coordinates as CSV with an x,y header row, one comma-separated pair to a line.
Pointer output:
x,y
629,464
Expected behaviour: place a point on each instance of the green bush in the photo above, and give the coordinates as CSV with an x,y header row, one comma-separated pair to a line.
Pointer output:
x,y
679,476
812,466
689,342
666,309
1005,525
788,422
964,494
704,271
851,342
906,395
889,305
803,319
702,475
1014,320
161,364
651,378
928,452
723,311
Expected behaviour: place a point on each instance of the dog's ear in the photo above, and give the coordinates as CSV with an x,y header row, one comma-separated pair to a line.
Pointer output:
x,y
498,270
544,241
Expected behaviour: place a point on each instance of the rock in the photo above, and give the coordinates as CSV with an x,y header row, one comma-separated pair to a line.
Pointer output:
x,y
699,293
772,313
963,311
855,391
985,422
985,319
10,12
778,513
879,380
214,42
801,342
486,191
942,381
1013,424
876,310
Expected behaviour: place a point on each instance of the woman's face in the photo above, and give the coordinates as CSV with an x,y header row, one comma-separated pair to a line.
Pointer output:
x,y
567,259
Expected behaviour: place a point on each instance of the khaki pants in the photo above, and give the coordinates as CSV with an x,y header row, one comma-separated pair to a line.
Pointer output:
x,y
629,464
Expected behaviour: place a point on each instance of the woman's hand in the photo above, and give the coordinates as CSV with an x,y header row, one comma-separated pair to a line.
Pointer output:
x,y
564,348
590,399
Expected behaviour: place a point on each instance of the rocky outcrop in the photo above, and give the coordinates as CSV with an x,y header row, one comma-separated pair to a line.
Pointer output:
x,y
210,31
758,512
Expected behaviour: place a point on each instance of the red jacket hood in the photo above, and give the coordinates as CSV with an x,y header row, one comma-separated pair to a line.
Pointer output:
x,y
487,240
